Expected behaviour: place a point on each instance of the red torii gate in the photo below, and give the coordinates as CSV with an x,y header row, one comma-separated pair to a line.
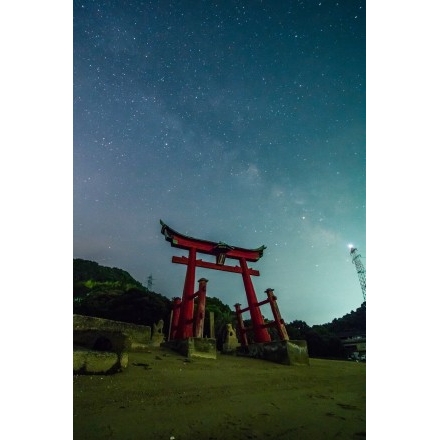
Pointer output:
x,y
183,325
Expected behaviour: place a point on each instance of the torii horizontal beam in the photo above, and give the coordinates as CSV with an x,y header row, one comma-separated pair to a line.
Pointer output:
x,y
209,247
208,265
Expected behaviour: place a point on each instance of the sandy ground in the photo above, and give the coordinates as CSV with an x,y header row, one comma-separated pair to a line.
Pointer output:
x,y
161,396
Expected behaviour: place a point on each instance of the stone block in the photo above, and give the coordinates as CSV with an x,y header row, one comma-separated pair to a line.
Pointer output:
x,y
293,352
202,348
100,351
139,334
96,362
193,347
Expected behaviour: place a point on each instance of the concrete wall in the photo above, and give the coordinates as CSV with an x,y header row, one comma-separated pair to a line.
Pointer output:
x,y
140,335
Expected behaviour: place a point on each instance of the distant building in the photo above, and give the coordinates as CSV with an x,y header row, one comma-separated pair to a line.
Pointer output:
x,y
354,343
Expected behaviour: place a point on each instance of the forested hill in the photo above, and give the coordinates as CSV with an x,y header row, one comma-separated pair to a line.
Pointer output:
x,y
85,270
112,293
351,324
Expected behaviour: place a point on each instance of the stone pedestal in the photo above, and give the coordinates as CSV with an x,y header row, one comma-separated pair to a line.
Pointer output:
x,y
293,352
193,347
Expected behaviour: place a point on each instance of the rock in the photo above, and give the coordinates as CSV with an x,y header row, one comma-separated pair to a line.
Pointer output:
x,y
100,351
95,362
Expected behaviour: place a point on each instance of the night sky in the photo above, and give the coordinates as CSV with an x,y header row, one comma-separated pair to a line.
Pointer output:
x,y
234,121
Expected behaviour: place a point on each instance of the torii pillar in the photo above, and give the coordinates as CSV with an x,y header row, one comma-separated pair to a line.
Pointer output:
x,y
260,332
185,326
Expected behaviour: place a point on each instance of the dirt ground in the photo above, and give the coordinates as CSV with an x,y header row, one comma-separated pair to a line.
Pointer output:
x,y
162,396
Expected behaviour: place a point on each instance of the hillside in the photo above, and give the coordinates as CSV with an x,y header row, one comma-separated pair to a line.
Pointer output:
x,y
113,293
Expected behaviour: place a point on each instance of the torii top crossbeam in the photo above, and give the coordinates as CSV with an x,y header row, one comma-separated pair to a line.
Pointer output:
x,y
209,247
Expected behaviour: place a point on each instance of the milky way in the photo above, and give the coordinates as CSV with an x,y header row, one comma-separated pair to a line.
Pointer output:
x,y
233,121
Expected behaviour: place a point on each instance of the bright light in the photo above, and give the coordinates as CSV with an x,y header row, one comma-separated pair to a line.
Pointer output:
x,y
350,246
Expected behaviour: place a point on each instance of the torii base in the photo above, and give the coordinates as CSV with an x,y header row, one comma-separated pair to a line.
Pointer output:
x,y
205,348
293,352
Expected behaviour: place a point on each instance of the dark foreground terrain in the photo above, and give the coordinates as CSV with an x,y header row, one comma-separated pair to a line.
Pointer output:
x,y
161,396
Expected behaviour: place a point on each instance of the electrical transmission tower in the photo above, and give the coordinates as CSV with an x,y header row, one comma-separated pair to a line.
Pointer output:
x,y
150,282
360,269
